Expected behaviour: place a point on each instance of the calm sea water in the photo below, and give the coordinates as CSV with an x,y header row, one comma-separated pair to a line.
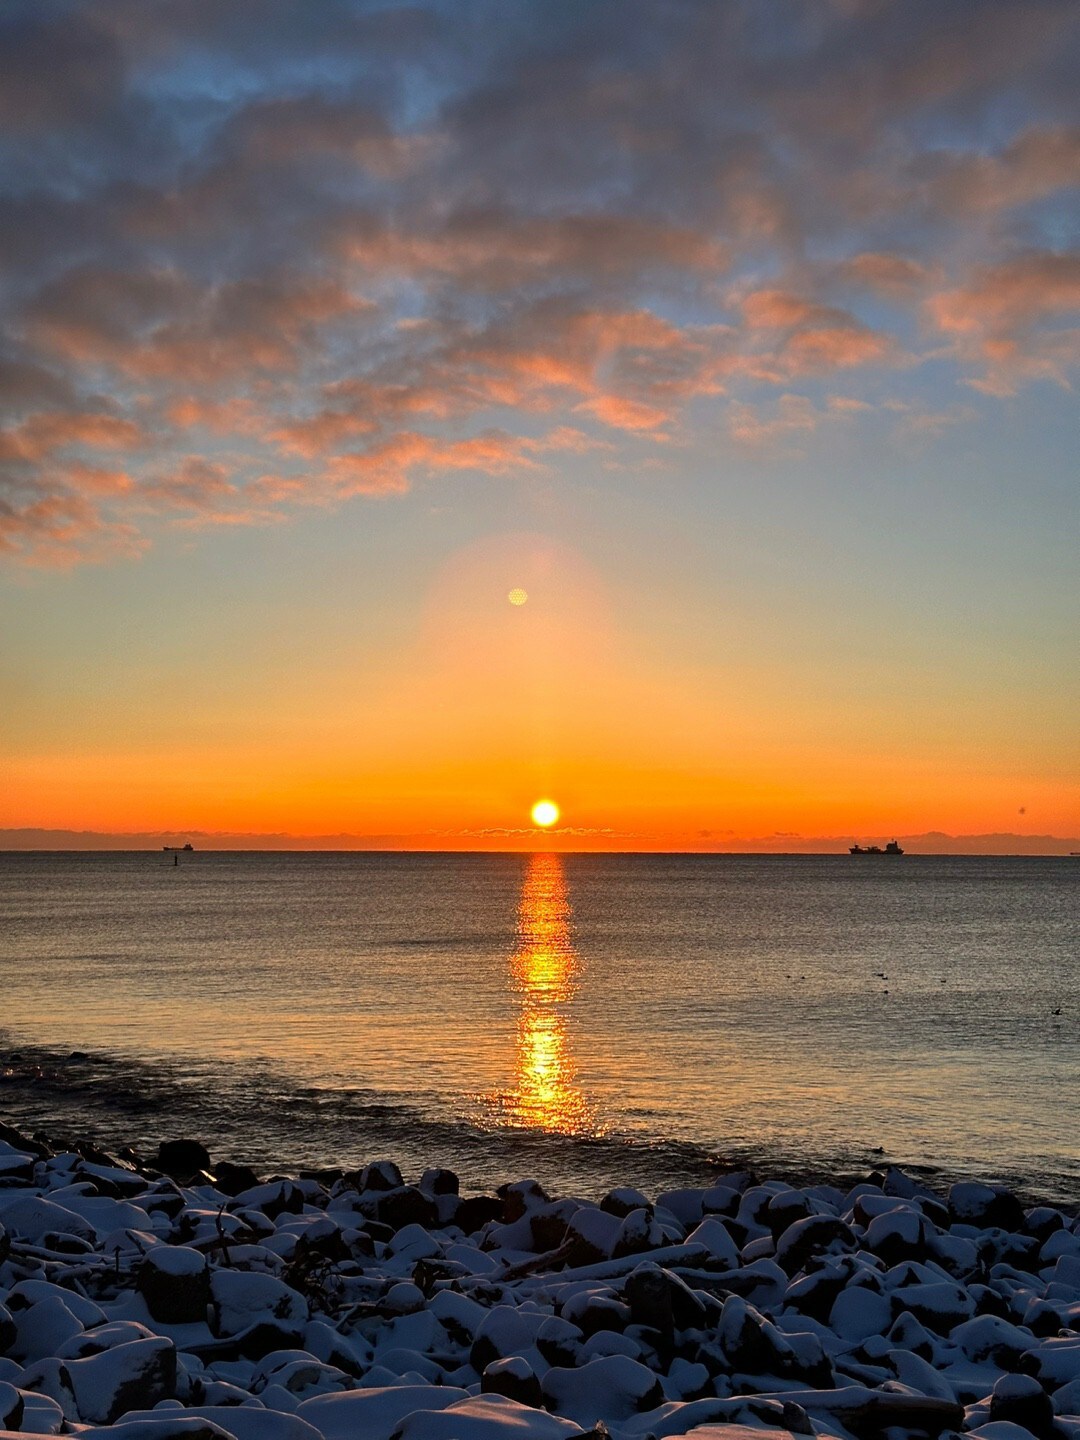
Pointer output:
x,y
584,1019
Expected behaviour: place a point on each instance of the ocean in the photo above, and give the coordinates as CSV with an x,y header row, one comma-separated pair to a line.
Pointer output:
x,y
587,1020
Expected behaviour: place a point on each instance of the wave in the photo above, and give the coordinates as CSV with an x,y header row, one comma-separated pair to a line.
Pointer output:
x,y
260,1115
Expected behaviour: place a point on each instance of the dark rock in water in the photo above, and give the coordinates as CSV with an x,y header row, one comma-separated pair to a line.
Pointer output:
x,y
175,1283
233,1179
182,1158
513,1378
1022,1400
326,1178
95,1154
738,1180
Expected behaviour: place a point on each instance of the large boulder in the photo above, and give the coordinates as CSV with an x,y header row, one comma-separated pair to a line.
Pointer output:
x,y
38,1221
611,1388
240,1299
135,1376
182,1158
482,1417
985,1205
175,1283
374,1413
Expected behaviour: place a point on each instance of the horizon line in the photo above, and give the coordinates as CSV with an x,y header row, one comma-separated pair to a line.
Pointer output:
x,y
46,840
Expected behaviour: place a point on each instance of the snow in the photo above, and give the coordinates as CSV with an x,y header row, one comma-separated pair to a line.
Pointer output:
x,y
289,1313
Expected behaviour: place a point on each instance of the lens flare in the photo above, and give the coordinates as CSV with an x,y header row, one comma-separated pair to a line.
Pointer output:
x,y
545,812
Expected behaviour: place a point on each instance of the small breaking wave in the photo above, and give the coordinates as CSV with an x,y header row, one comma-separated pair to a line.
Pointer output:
x,y
259,1115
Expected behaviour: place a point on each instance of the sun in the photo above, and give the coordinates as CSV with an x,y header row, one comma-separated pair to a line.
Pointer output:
x,y
545,813
518,596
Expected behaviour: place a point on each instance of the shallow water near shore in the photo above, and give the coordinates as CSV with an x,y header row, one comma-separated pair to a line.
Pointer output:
x,y
585,1019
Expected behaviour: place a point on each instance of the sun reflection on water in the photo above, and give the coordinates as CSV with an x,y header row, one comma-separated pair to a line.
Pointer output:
x,y
543,977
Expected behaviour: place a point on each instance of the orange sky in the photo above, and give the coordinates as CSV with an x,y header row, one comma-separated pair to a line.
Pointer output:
x,y
483,706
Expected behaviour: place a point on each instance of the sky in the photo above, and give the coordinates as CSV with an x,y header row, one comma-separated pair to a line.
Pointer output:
x,y
741,335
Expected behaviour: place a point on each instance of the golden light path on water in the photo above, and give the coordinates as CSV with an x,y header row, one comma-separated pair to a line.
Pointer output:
x,y
543,976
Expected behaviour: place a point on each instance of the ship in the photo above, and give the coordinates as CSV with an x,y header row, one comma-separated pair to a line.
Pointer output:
x,y
181,848
892,848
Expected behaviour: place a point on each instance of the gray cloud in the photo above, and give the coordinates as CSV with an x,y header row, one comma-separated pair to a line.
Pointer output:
x,y
308,251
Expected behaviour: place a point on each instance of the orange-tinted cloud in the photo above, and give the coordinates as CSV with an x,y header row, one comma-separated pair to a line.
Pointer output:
x,y
812,338
367,240
46,431
1004,318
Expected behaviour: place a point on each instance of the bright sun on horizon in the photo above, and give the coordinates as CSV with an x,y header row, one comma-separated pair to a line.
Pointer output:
x,y
545,813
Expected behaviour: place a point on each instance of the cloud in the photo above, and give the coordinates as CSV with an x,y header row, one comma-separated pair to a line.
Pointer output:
x,y
894,276
161,325
57,68
62,530
46,431
1007,317
1039,162
810,338
271,254
389,467
763,427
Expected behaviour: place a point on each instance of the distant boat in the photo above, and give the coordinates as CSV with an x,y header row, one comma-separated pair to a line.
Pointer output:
x,y
188,846
892,848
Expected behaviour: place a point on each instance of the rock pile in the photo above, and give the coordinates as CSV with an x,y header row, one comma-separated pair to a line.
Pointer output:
x,y
185,1301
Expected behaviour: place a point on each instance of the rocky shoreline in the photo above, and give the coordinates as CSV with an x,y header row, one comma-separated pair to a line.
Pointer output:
x,y
175,1298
